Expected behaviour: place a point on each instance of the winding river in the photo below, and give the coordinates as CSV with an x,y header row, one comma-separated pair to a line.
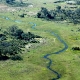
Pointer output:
x,y
47,55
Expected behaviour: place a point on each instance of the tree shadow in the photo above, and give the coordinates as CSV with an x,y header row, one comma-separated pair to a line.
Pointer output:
x,y
3,58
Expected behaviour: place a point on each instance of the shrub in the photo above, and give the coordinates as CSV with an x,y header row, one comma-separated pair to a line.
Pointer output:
x,y
76,48
16,57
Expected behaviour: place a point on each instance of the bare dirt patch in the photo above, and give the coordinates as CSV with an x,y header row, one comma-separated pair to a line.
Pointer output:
x,y
5,8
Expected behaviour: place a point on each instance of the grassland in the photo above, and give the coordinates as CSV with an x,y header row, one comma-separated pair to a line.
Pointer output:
x,y
33,65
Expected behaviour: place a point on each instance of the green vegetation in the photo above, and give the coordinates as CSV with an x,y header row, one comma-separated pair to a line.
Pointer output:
x,y
29,64
13,40
10,1
60,14
76,48
15,3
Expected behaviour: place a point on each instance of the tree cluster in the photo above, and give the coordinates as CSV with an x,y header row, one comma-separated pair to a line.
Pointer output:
x,y
76,48
78,2
60,14
20,34
9,48
12,42
16,3
2,37
10,1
